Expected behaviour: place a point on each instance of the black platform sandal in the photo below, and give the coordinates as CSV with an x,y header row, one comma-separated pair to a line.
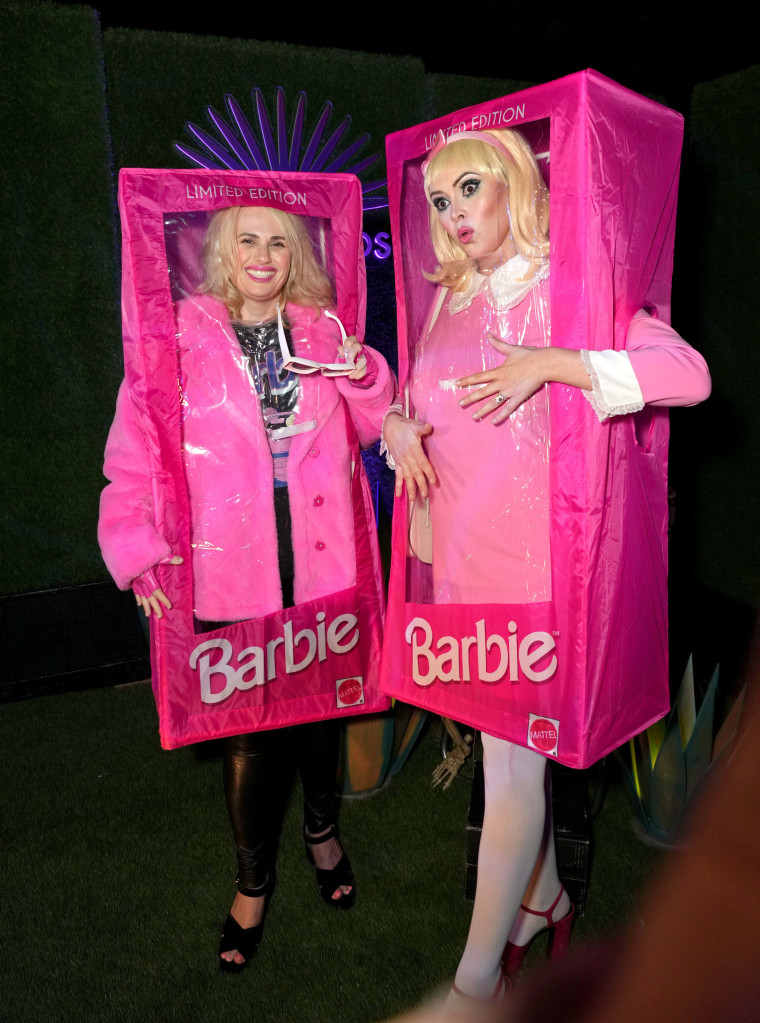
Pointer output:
x,y
329,881
244,940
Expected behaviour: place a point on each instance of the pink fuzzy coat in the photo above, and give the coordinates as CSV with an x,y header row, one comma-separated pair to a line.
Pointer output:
x,y
228,468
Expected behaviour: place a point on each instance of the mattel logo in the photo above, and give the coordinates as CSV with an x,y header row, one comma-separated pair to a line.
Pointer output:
x,y
349,692
543,734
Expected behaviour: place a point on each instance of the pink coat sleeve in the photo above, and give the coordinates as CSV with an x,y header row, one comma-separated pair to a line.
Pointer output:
x,y
368,405
669,371
129,540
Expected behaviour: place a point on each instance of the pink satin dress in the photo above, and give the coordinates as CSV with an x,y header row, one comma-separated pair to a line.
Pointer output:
x,y
490,510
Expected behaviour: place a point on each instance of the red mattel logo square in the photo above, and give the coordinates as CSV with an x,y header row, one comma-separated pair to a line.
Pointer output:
x,y
349,692
543,734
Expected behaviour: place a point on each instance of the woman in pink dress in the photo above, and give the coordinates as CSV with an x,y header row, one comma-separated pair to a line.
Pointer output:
x,y
477,454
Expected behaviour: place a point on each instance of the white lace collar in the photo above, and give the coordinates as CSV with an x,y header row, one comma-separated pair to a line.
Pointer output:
x,y
504,288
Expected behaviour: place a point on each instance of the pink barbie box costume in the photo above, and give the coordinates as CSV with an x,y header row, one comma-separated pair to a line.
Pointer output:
x,y
528,582
197,476
236,448
511,609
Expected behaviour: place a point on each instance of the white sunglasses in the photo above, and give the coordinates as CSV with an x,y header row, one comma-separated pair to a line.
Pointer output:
x,y
297,364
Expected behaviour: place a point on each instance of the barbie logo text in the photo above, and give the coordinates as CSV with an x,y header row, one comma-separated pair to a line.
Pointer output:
x,y
340,636
497,659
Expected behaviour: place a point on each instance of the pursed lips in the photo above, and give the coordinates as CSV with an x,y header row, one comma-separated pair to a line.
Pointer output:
x,y
464,234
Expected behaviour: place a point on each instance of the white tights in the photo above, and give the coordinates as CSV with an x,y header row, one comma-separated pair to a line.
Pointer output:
x,y
516,861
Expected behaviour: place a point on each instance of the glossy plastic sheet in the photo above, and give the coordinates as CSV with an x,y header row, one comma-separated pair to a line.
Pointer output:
x,y
529,598
216,404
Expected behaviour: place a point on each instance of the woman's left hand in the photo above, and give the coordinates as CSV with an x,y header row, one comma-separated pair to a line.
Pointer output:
x,y
507,386
352,353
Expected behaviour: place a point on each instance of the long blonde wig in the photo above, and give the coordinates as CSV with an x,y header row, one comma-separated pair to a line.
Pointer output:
x,y
527,196
307,283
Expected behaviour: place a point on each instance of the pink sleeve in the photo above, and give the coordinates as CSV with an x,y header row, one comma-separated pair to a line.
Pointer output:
x,y
129,540
669,371
145,584
367,402
368,405
372,370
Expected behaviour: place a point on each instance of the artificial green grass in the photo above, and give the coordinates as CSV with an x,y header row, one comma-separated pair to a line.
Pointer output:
x,y
118,868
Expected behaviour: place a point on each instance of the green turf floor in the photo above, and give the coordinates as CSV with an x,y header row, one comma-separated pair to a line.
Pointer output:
x,y
117,870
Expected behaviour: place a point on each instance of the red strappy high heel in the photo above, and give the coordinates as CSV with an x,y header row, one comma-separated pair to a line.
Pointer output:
x,y
559,938
500,992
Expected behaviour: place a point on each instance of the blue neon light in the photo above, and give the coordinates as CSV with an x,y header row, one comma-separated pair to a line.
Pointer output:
x,y
378,246
238,147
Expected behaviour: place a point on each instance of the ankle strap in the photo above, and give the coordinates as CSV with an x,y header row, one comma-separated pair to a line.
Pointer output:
x,y
545,913
498,994
318,839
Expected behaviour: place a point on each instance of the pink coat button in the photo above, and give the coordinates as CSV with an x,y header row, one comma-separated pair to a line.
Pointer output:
x,y
320,545
318,500
314,452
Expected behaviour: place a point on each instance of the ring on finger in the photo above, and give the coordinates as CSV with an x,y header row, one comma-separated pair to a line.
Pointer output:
x,y
500,398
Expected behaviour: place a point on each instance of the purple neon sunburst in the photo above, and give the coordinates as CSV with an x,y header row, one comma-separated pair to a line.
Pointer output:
x,y
238,148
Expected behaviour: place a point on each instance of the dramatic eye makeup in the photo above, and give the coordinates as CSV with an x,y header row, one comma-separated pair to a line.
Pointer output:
x,y
470,186
467,183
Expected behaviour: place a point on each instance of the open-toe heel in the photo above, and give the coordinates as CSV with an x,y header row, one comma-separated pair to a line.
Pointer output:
x,y
329,881
244,940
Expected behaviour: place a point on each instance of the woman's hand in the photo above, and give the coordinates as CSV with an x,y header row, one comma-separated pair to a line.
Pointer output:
x,y
149,596
352,353
524,370
506,386
403,438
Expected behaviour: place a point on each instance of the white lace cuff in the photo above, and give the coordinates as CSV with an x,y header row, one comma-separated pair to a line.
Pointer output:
x,y
395,407
615,389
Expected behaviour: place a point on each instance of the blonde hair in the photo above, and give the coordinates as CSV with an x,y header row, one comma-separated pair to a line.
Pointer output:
x,y
307,283
527,196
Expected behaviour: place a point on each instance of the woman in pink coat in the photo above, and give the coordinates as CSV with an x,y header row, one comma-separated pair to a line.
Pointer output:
x,y
477,452
268,468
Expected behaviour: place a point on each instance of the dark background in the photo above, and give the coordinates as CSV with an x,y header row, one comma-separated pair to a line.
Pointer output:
x,y
657,48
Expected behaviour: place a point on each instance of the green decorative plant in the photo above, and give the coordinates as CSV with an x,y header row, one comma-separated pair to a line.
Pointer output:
x,y
665,765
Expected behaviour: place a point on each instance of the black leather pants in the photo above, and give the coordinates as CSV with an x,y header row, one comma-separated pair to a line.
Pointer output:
x,y
257,775
258,766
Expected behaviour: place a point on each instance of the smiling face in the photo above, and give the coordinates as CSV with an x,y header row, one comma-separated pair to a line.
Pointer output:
x,y
264,258
471,207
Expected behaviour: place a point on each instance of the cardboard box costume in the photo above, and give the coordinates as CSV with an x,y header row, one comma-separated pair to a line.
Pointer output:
x,y
192,469
530,598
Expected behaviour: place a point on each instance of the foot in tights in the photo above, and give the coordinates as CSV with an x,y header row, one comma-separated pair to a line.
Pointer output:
x,y
512,855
